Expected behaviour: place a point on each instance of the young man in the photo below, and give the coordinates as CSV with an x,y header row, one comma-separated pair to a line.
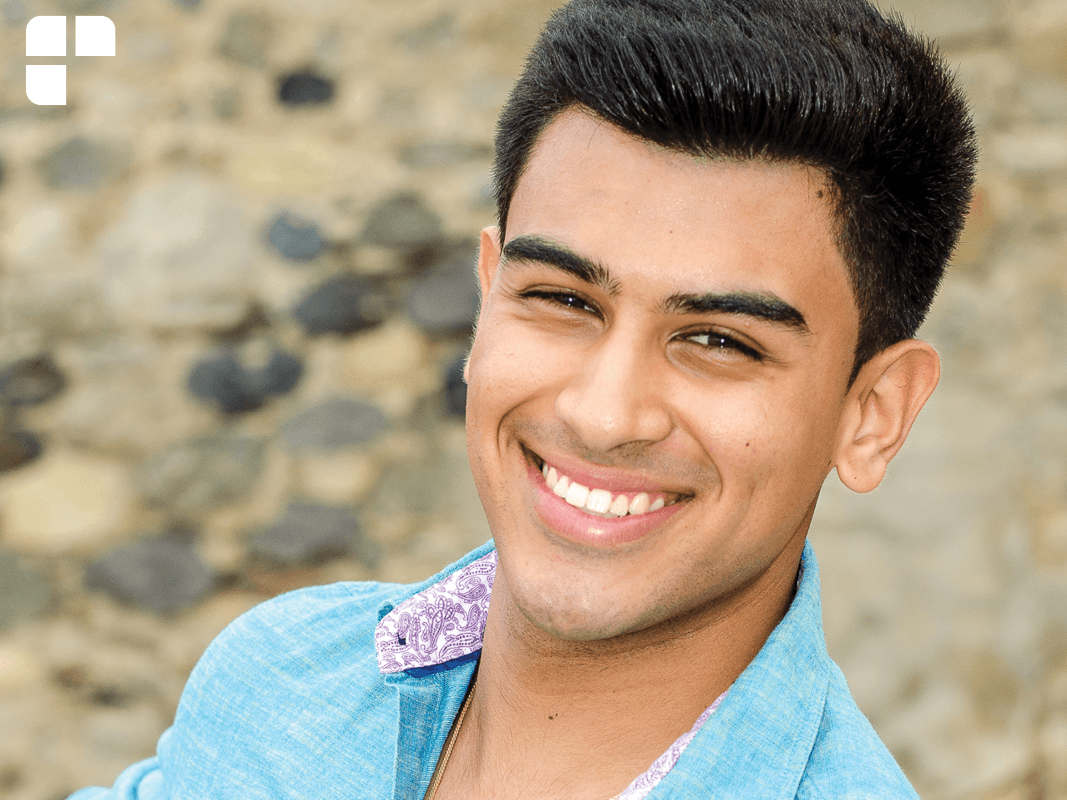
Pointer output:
x,y
720,224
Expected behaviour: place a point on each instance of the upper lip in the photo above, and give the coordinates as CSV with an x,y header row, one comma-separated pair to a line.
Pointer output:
x,y
616,481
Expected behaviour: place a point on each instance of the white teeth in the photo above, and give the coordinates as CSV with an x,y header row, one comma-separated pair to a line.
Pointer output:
x,y
577,495
640,504
560,489
599,501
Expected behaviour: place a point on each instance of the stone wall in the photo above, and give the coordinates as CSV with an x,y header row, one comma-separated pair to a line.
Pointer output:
x,y
235,283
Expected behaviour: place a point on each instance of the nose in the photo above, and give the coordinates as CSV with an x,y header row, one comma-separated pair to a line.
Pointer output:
x,y
615,395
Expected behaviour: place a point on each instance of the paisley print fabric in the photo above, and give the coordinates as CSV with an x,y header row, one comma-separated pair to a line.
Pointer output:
x,y
443,622
447,620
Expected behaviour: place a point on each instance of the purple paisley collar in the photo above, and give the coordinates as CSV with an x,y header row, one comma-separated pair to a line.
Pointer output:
x,y
447,620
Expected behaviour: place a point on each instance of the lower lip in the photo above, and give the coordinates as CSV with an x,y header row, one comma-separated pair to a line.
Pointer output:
x,y
577,526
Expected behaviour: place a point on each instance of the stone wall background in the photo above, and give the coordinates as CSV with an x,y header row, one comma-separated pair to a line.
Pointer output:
x,y
234,285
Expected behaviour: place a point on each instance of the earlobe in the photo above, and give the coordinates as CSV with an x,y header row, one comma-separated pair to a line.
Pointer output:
x,y
886,398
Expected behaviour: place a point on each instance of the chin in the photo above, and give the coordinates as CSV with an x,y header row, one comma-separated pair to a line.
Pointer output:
x,y
579,618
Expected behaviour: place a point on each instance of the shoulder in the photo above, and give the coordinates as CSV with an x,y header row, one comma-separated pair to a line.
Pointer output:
x,y
849,760
279,633
274,697
312,645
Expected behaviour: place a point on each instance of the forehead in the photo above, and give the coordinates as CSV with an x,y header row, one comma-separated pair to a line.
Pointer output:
x,y
678,222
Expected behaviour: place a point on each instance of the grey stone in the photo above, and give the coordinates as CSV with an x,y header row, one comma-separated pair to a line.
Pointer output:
x,y
247,38
309,533
17,448
82,164
15,12
456,387
226,103
3,172
486,92
200,475
30,381
296,238
402,221
437,34
180,257
439,154
158,574
235,388
1046,99
343,304
446,300
947,20
279,375
23,593
305,88
415,486
334,424
221,381
190,4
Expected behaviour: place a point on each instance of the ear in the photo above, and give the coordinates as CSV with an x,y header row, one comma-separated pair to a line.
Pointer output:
x,y
488,261
488,258
883,403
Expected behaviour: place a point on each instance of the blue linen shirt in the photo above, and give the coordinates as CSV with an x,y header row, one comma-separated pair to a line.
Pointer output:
x,y
289,702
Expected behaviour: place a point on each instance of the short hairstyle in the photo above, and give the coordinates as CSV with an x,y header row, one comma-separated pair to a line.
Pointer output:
x,y
832,84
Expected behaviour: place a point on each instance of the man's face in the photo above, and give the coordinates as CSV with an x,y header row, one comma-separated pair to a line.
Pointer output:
x,y
663,326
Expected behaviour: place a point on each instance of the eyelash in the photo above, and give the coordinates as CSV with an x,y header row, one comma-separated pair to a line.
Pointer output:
x,y
575,302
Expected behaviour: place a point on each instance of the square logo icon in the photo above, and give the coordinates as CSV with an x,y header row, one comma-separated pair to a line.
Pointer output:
x,y
46,84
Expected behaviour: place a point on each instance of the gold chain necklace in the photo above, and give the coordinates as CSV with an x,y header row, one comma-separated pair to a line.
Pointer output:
x,y
453,734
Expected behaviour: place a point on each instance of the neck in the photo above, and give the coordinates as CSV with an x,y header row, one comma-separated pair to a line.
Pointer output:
x,y
600,712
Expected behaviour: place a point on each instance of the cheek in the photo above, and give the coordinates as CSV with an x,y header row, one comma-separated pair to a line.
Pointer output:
x,y
511,364
758,434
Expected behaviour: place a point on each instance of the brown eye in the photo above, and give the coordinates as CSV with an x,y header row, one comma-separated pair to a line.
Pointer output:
x,y
565,299
713,340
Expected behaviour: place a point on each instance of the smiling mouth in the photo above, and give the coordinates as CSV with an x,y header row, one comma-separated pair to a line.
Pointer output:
x,y
602,502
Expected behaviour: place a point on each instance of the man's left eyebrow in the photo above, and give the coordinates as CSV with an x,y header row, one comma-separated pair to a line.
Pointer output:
x,y
762,306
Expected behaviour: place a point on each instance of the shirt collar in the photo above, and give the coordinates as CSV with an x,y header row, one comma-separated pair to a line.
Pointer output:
x,y
440,623
772,711
767,724
446,620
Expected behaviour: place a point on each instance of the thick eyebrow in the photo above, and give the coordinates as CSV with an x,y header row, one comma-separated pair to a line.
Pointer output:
x,y
762,306
540,250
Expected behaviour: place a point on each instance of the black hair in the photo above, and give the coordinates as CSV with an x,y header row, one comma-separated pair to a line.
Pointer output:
x,y
831,84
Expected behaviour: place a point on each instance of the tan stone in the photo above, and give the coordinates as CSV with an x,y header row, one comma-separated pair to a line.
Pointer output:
x,y
278,166
392,353
1039,32
20,668
129,414
337,477
1032,150
1052,740
65,502
1050,542
977,234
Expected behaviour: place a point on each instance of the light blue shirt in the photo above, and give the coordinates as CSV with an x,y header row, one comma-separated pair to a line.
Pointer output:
x,y
289,702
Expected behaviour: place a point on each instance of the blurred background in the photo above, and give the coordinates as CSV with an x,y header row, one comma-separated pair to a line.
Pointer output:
x,y
235,285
